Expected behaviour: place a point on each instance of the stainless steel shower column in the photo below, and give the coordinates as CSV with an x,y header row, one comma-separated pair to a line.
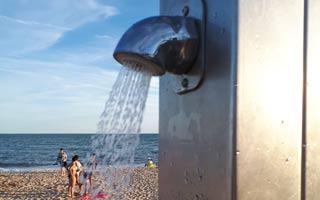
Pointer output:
x,y
252,130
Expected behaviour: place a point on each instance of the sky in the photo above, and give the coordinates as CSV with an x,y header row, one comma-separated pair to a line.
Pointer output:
x,y
57,66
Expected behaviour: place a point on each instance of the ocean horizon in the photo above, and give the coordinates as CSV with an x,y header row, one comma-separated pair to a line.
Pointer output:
x,y
36,151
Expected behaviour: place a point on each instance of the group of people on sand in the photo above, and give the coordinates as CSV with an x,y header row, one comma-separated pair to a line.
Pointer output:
x,y
76,173
79,176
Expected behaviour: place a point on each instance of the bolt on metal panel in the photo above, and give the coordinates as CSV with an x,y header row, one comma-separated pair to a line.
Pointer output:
x,y
269,99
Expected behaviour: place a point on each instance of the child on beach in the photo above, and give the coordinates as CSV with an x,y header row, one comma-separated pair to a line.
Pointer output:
x,y
72,179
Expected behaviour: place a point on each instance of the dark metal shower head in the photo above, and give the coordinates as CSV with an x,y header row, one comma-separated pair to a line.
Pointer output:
x,y
160,44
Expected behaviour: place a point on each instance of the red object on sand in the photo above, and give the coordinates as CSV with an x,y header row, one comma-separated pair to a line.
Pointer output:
x,y
89,196
86,197
100,195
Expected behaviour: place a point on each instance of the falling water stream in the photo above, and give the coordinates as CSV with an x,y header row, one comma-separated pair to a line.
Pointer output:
x,y
119,124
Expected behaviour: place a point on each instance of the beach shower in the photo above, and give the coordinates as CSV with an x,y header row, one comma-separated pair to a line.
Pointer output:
x,y
161,44
165,44
170,46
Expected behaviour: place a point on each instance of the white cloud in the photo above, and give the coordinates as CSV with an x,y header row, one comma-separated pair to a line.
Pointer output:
x,y
89,54
37,81
24,22
61,90
70,13
51,96
105,37
40,93
37,26
17,37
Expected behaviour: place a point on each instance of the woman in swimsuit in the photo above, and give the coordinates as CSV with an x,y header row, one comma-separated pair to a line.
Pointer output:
x,y
72,179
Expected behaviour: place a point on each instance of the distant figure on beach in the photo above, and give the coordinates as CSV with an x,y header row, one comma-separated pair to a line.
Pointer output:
x,y
150,164
72,179
79,169
88,175
62,160
93,162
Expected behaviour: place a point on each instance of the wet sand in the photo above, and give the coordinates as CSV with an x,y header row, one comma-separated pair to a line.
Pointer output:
x,y
38,185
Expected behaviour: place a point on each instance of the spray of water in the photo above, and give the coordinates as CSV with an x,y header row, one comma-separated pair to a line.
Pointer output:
x,y
120,120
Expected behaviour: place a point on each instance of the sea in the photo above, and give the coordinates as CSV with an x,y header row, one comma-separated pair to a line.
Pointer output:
x,y
30,152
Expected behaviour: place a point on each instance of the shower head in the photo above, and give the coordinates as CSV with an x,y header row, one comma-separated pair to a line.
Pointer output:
x,y
160,44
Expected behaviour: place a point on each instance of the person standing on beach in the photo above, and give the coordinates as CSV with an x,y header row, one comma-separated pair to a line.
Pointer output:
x,y
62,159
79,169
92,165
72,179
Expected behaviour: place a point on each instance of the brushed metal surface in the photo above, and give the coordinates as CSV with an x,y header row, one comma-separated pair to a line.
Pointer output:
x,y
313,101
196,129
269,100
254,80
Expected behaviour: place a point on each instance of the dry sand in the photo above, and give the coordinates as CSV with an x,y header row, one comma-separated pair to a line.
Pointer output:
x,y
36,185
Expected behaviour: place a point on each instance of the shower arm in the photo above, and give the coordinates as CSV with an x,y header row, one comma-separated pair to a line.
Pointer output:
x,y
169,43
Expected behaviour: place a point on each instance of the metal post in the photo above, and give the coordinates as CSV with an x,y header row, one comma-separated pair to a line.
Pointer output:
x,y
252,130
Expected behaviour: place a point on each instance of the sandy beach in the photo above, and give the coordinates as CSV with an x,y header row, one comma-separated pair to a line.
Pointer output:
x,y
38,185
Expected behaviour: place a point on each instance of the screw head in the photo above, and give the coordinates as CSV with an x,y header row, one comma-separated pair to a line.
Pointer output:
x,y
185,82
185,11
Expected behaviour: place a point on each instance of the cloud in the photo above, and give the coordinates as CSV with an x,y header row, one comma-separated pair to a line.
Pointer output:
x,y
31,26
24,22
18,38
69,14
35,80
105,37
41,92
38,93
47,87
